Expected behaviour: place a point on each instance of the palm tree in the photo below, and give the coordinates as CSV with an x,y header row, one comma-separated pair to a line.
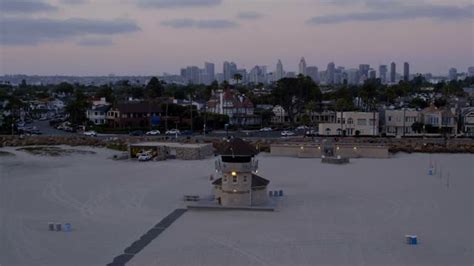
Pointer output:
x,y
237,77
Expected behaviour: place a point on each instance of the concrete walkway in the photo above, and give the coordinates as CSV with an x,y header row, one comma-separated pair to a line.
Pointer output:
x,y
147,238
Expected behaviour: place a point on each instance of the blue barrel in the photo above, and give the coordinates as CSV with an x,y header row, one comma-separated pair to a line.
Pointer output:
x,y
270,193
280,193
430,171
414,240
59,227
67,227
51,226
275,193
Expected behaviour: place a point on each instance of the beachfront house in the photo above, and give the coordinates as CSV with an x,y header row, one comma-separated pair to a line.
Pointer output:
x,y
352,124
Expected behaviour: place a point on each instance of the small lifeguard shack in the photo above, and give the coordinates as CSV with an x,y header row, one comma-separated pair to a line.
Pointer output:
x,y
239,184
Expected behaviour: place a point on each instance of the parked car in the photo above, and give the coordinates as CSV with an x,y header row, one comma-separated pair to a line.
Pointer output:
x,y
90,133
187,133
144,156
266,129
173,132
153,133
311,133
287,133
302,128
136,133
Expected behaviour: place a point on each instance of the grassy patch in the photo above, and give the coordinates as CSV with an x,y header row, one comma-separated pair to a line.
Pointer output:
x,y
117,146
53,151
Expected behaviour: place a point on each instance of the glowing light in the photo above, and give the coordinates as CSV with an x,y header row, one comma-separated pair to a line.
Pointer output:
x,y
302,147
319,147
235,190
355,148
234,173
337,147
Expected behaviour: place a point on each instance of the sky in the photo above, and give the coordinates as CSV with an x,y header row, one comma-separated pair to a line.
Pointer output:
x,y
150,37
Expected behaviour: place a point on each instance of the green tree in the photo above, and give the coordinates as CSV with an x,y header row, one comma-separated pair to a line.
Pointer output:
x,y
65,88
154,88
237,77
293,94
77,108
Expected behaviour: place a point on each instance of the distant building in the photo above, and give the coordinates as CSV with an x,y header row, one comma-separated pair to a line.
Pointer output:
x,y
313,73
302,67
406,71
210,72
229,70
279,115
352,76
331,69
453,74
98,114
470,71
279,73
372,74
399,122
383,73
393,72
352,124
239,184
364,69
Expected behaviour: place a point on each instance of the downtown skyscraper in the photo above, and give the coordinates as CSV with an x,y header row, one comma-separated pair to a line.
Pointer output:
x,y
393,72
406,71
279,73
302,67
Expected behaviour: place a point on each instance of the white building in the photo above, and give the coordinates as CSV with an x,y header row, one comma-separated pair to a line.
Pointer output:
x,y
468,121
352,124
280,115
302,67
399,122
97,114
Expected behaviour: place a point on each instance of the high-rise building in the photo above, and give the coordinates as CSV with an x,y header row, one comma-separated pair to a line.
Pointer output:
x,y
312,72
302,67
352,76
229,70
330,73
372,74
279,73
210,73
406,71
192,74
470,71
453,74
364,69
383,73
393,72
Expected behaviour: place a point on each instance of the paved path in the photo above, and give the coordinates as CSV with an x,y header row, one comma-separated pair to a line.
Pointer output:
x,y
147,238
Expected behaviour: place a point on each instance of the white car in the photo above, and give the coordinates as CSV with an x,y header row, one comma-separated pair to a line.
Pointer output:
x,y
266,129
173,132
143,157
302,128
287,133
90,133
153,133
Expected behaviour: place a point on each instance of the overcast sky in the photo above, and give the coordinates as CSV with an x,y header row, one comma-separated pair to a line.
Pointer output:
x,y
149,37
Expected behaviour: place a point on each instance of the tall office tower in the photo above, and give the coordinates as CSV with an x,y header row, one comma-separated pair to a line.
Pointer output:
x,y
406,71
192,74
279,73
330,73
243,73
229,70
183,73
210,72
364,69
352,76
393,72
372,74
257,75
470,71
313,73
453,74
302,67
383,73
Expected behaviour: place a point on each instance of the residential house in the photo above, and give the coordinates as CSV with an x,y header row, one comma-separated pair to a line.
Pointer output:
x,y
352,124
399,122
439,120
133,114
467,116
280,115
97,114
238,108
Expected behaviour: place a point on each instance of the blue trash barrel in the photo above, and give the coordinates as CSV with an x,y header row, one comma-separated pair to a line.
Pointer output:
x,y
281,193
270,193
58,227
51,226
414,240
430,171
67,227
275,193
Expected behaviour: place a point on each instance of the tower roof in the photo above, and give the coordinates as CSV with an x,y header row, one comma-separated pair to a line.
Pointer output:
x,y
237,147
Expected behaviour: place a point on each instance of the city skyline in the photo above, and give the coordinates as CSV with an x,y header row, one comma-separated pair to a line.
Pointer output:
x,y
150,37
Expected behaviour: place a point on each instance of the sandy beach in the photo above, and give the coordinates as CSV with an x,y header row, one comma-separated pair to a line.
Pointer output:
x,y
355,214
